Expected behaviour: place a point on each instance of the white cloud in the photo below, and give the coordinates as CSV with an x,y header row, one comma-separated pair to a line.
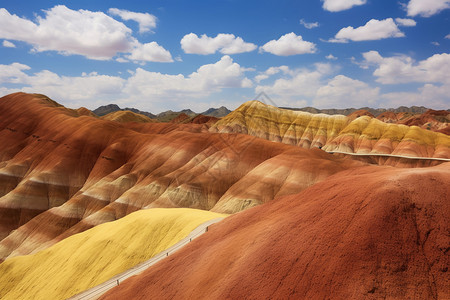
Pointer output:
x,y
339,5
13,73
331,57
272,71
435,43
159,90
301,84
314,87
309,25
403,69
372,30
343,92
447,36
8,44
146,21
207,79
121,60
289,44
224,43
405,22
91,34
429,95
150,52
426,8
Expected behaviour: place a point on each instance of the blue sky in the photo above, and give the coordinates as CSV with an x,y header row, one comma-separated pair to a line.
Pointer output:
x,y
160,55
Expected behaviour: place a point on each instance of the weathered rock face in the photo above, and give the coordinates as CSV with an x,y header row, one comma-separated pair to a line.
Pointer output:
x,y
367,233
435,120
62,173
333,132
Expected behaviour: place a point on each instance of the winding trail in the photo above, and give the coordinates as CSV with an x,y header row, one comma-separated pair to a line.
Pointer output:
x,y
96,291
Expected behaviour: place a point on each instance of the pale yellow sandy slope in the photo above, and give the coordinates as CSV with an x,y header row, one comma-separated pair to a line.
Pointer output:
x,y
90,258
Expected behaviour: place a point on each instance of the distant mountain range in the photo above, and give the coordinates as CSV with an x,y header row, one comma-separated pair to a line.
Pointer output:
x,y
165,116
107,109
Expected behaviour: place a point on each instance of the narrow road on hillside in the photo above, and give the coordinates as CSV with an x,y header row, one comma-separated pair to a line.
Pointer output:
x,y
389,155
97,291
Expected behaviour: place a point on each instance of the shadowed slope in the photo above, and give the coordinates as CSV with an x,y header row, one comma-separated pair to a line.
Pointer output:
x,y
333,132
92,257
367,233
62,174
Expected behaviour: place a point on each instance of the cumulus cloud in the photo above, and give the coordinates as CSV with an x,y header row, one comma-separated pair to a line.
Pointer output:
x,y
76,89
91,34
343,92
429,95
272,71
207,79
309,25
405,22
146,21
339,5
403,69
426,8
289,44
296,85
447,36
372,30
159,89
315,87
223,42
13,73
150,52
331,57
8,44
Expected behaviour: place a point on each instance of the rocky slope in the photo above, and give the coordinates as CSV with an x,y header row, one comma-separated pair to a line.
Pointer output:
x,y
62,173
364,134
366,233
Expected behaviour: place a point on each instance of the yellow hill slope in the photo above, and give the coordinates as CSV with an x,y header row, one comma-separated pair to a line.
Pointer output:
x,y
87,259
333,132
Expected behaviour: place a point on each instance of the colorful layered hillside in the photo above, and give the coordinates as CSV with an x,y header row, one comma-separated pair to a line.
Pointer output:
x,y
61,173
87,259
359,113
127,116
367,233
435,120
364,135
198,119
181,118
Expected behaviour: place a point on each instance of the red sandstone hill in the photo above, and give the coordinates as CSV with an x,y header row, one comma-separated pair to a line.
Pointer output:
x,y
360,113
62,173
435,120
367,233
198,119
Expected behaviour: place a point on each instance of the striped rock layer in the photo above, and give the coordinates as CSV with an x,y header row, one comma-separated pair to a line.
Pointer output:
x,y
62,172
375,232
364,135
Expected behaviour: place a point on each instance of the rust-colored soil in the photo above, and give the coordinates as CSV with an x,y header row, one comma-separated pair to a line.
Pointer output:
x,y
367,233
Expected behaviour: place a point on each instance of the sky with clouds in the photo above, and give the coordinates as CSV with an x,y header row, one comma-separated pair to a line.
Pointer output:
x,y
166,54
